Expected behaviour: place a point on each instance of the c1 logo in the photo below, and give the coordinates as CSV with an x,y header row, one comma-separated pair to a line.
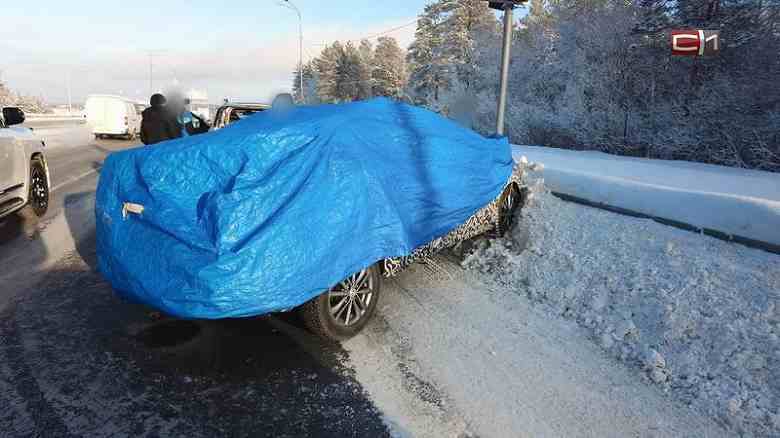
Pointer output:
x,y
695,42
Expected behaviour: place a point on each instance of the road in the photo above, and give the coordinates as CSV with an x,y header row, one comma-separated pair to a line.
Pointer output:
x,y
447,355
74,360
74,159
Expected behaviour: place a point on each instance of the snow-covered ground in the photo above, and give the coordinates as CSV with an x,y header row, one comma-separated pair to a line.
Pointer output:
x,y
738,202
450,355
695,316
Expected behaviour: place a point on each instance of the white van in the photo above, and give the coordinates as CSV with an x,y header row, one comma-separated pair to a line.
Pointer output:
x,y
112,116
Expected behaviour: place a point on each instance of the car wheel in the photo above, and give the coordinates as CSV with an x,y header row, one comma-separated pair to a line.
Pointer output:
x,y
38,199
510,200
343,311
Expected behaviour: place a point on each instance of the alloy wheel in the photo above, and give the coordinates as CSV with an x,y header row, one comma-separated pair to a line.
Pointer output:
x,y
349,300
39,190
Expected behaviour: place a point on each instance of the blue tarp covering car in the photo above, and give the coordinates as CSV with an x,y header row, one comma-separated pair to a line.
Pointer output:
x,y
271,211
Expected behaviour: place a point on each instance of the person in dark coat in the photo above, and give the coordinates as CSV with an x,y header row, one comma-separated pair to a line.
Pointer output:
x,y
158,124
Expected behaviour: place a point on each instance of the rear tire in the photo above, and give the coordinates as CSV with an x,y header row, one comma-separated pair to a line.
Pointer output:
x,y
343,311
38,197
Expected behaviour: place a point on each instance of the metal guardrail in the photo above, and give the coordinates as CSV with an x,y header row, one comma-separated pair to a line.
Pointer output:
x,y
751,243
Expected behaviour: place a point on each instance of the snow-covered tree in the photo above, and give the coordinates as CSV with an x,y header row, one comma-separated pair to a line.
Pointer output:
x,y
340,70
310,81
365,71
28,104
442,58
429,70
388,68
5,94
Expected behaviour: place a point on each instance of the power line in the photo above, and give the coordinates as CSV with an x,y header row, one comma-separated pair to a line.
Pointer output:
x,y
369,37
377,35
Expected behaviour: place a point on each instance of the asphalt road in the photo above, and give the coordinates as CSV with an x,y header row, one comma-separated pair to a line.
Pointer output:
x,y
75,360
74,159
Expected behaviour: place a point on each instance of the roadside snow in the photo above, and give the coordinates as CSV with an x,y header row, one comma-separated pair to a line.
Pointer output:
x,y
734,201
697,316
448,355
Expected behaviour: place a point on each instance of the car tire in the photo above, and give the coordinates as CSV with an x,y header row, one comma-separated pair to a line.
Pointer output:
x,y
510,200
331,315
38,197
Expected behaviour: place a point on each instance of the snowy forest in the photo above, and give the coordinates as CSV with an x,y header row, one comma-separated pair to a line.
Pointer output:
x,y
585,74
26,103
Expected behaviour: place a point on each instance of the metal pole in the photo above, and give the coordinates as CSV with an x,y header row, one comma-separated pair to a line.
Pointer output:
x,y
300,54
505,56
151,72
292,6
70,100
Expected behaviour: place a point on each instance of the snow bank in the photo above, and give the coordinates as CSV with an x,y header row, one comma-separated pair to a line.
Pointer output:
x,y
696,315
737,202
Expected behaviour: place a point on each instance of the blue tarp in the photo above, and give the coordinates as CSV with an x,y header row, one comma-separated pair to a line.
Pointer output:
x,y
271,211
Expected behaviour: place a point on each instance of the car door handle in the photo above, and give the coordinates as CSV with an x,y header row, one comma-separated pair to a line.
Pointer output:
x,y
129,207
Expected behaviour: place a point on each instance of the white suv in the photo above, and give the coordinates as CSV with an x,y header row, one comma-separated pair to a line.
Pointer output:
x,y
24,174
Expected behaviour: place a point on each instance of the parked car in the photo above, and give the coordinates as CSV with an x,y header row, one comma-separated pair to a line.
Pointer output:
x,y
308,209
233,112
24,174
113,116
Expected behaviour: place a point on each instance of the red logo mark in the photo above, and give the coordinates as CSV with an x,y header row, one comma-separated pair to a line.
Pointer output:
x,y
695,42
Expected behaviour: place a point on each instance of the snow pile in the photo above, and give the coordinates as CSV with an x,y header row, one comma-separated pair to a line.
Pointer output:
x,y
738,202
697,315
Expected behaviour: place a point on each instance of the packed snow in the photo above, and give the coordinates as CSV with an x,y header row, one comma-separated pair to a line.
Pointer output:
x,y
450,355
697,316
738,202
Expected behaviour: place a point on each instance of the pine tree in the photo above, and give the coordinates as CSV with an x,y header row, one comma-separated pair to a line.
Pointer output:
x,y
429,72
365,74
327,64
5,94
388,69
442,59
340,70
466,20
310,80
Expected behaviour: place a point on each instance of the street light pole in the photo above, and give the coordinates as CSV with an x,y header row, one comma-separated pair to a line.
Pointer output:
x,y
507,6
70,95
292,6
507,48
151,73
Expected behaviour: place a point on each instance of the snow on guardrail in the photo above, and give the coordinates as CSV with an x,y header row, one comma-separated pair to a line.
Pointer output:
x,y
738,204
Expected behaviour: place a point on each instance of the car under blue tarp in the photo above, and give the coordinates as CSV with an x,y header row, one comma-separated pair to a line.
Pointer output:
x,y
271,211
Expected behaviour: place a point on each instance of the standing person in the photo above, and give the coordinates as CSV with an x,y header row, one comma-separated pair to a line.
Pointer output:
x,y
191,123
158,124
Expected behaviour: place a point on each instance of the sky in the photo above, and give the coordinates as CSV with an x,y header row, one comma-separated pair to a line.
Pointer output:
x,y
240,49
